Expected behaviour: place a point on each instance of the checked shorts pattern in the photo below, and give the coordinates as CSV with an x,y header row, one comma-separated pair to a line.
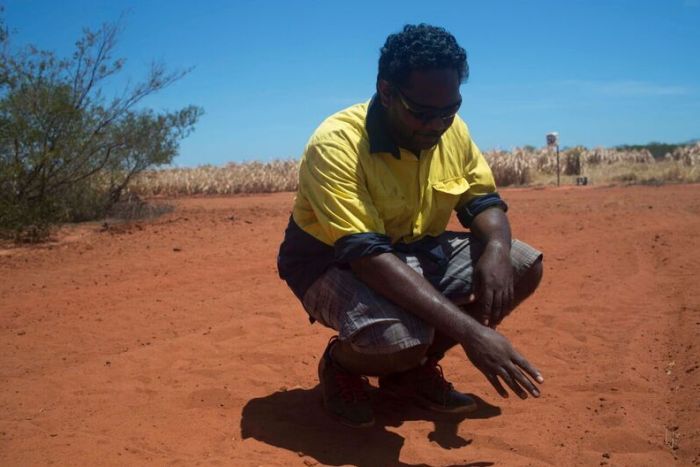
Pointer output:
x,y
373,324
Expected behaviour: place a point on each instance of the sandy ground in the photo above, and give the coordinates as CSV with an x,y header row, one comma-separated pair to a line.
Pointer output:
x,y
174,342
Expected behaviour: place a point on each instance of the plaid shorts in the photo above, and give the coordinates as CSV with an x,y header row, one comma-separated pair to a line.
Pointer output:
x,y
373,324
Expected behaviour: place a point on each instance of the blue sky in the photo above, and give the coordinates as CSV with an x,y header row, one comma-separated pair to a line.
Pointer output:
x,y
268,72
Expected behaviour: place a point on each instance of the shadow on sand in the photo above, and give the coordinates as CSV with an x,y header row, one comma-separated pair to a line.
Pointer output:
x,y
295,420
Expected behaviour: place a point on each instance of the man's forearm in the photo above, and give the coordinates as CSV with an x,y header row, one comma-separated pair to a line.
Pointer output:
x,y
492,225
393,279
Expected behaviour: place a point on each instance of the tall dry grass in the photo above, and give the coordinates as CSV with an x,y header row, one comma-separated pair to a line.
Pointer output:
x,y
600,165
518,167
511,168
687,155
232,178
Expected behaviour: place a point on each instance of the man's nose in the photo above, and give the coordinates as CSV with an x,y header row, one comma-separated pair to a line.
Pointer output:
x,y
437,124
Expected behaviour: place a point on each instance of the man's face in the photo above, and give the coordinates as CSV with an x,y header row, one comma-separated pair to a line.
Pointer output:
x,y
420,111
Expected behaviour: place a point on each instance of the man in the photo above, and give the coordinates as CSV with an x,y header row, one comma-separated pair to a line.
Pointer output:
x,y
366,249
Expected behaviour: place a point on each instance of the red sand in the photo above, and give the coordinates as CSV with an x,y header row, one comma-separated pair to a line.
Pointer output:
x,y
175,342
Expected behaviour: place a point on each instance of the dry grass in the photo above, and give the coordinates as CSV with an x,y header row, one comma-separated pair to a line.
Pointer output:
x,y
599,165
233,178
518,167
687,155
657,173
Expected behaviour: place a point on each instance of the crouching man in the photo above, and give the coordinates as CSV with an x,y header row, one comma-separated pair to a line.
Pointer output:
x,y
367,253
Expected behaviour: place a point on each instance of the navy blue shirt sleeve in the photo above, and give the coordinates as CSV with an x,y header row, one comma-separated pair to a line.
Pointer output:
x,y
355,246
469,211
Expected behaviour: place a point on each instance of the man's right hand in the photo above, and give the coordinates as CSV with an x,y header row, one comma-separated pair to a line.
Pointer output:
x,y
496,358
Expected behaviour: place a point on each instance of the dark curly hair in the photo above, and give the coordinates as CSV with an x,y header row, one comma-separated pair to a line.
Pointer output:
x,y
420,47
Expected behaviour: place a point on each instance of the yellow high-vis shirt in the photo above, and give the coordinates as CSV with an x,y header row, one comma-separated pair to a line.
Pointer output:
x,y
359,194
345,188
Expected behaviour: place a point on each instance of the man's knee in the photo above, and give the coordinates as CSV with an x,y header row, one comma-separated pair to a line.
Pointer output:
x,y
529,281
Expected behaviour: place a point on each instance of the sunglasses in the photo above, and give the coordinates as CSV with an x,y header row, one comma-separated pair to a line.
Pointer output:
x,y
426,116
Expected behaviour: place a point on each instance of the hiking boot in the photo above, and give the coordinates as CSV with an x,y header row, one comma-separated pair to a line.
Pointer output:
x,y
344,393
426,385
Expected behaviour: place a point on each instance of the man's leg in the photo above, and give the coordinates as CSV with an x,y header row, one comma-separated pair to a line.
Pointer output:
x,y
375,337
378,338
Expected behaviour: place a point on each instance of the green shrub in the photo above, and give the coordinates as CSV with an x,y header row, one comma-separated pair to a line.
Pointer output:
x,y
68,153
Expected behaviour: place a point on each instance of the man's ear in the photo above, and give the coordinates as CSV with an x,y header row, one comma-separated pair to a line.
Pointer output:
x,y
384,89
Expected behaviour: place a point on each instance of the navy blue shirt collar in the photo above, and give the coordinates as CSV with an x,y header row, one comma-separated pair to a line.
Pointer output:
x,y
375,124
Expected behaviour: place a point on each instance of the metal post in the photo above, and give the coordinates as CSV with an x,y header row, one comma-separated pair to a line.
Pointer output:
x,y
557,165
553,140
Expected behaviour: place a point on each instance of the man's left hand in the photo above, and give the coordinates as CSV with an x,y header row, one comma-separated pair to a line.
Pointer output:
x,y
493,284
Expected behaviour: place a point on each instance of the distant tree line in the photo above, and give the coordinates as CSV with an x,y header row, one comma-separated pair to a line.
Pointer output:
x,y
658,150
